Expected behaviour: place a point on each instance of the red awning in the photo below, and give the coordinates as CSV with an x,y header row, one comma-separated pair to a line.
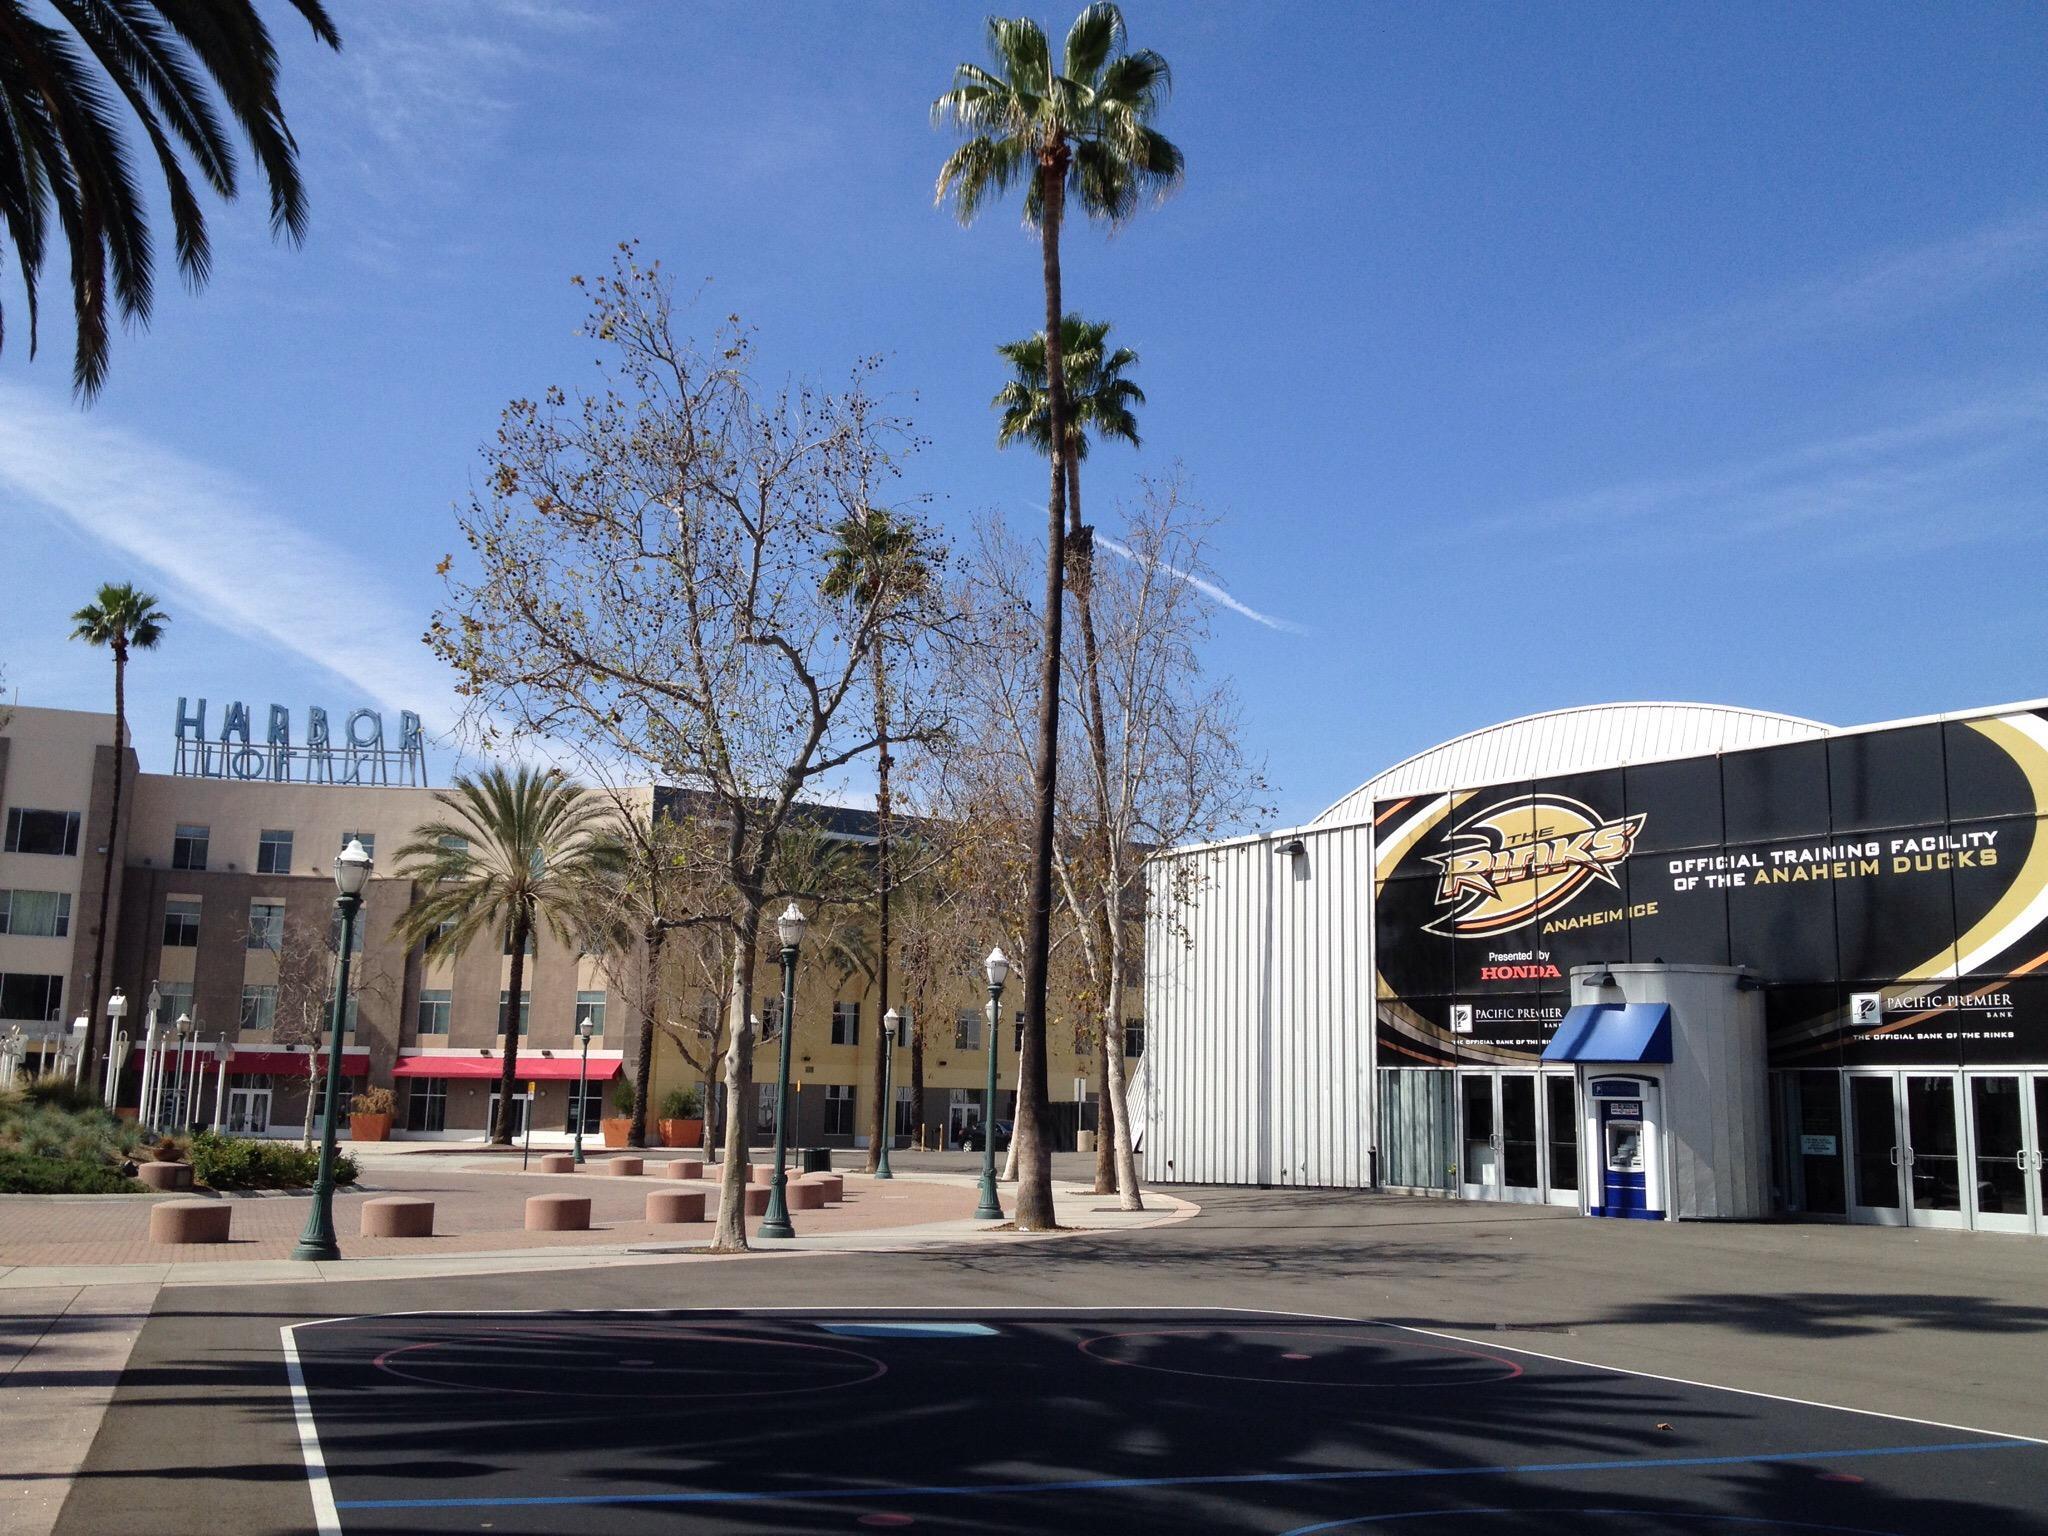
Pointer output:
x,y
547,1069
277,1063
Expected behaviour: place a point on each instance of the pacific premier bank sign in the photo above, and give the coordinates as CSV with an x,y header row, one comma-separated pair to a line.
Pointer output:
x,y
358,753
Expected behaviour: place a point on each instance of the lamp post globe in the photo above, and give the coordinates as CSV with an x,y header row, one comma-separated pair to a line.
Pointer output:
x,y
892,1022
996,968
351,874
775,1221
585,1028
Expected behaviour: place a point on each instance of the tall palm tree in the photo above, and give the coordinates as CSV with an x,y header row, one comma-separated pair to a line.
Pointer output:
x,y
62,144
1080,127
519,851
878,561
122,619
1100,401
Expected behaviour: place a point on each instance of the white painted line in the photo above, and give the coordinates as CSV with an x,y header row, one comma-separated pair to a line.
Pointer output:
x,y
326,1520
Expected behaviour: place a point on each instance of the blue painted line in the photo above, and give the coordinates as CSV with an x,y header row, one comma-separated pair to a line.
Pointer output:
x,y
1211,1480
1647,1514
909,1330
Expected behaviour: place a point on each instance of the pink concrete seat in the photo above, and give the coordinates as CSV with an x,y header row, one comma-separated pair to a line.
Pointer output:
x,y
626,1167
165,1175
398,1216
833,1184
683,1168
805,1196
190,1221
757,1199
558,1213
761,1173
557,1162
670,1206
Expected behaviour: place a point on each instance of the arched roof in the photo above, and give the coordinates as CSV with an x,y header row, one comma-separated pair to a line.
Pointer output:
x,y
1570,740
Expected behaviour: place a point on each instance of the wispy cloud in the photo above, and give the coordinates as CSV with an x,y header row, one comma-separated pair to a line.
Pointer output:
x,y
227,557
1886,290
1949,476
1210,590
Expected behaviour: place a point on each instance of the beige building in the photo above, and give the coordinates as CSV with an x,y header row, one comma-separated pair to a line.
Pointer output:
x,y
225,903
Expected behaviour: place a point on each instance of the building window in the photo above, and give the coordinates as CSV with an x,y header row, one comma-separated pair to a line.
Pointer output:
x,y
36,914
903,1124
433,949
266,925
1017,1040
529,942
764,1107
839,1109
24,995
593,1110
274,853
174,1001
348,1016
334,933
367,839
426,1104
42,831
504,1004
846,1023
967,1030
188,848
259,1007
453,843
1134,1037
181,923
436,1005
590,1005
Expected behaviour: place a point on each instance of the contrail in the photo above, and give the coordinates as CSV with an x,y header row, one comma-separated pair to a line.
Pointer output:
x,y
1210,590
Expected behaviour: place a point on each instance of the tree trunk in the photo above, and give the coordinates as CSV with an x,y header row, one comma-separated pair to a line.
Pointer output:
x,y
1105,1154
917,1079
522,927
731,1233
1129,1197
879,1121
643,1069
100,948
1034,1211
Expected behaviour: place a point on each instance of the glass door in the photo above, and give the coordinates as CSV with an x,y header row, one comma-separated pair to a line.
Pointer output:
x,y
522,1105
1521,1139
1561,1137
248,1111
1478,1137
2004,1187
1876,1164
1933,1153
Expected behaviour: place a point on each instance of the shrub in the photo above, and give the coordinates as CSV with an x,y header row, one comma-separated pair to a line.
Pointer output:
x,y
62,1093
374,1101
243,1162
169,1149
23,1174
622,1098
680,1104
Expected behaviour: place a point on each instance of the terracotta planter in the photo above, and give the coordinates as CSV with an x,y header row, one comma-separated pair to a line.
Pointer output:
x,y
681,1133
369,1127
616,1131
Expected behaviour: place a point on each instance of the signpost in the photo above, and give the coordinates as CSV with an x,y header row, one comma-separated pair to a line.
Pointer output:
x,y
526,1150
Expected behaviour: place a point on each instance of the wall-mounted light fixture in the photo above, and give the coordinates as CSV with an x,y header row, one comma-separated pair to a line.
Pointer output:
x,y
1605,978
1293,848
1748,983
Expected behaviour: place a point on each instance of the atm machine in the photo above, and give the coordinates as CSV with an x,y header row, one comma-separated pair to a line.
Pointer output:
x,y
1625,1126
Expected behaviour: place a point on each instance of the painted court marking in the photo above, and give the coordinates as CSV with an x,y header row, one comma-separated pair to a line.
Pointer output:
x,y
327,1517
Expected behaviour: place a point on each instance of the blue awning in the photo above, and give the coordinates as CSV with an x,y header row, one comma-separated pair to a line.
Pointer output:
x,y
1608,1032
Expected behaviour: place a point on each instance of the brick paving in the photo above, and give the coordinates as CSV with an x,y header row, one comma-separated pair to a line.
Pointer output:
x,y
476,1210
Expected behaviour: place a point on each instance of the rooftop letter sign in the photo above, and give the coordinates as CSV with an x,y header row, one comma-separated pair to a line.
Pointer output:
x,y
359,754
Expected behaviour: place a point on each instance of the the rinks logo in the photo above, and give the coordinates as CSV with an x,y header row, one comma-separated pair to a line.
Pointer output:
x,y
1520,859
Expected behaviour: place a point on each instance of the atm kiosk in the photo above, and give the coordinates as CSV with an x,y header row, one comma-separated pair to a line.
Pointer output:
x,y
1671,1072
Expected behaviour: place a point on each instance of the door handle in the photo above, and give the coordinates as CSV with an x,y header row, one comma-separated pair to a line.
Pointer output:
x,y
1909,1157
1895,1157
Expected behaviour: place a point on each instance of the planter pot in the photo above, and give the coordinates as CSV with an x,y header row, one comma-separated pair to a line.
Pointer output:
x,y
616,1131
369,1127
681,1133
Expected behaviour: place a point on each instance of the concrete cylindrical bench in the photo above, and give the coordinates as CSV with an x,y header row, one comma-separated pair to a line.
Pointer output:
x,y
557,1162
626,1167
757,1199
761,1173
805,1195
398,1216
833,1184
165,1175
190,1221
683,1168
558,1213
675,1205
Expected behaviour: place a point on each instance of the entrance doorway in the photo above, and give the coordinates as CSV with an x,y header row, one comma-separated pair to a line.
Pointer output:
x,y
1518,1136
522,1106
1905,1148
2008,1121
248,1111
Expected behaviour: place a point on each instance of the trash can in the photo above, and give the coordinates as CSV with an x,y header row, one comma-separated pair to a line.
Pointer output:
x,y
815,1159
1084,1141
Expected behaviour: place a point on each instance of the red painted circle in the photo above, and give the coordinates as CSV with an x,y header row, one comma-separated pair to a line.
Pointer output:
x,y
886,1520
1508,1371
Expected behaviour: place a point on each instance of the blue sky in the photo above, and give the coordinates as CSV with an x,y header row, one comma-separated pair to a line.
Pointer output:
x,y
1532,356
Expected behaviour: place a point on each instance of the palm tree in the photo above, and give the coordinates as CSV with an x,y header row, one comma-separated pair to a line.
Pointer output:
x,y
1081,128
1100,400
62,145
878,562
122,619
519,851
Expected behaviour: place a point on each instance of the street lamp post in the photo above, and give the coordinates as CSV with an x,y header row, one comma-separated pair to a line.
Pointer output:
x,y
152,1048
223,1053
790,927
892,1021
585,1028
351,874
997,969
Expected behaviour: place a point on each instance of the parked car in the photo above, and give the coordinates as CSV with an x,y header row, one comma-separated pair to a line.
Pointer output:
x,y
970,1139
